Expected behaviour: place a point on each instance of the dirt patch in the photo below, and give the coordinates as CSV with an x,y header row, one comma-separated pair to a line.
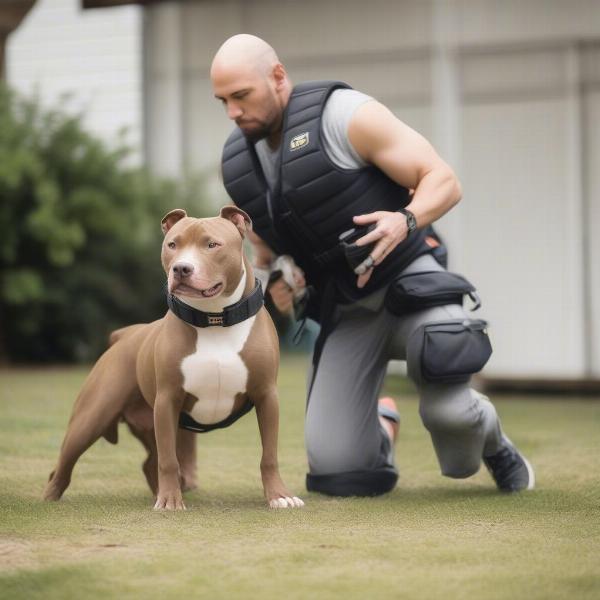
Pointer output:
x,y
16,554
19,554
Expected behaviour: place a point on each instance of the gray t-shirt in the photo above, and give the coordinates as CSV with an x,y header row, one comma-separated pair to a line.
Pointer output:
x,y
336,118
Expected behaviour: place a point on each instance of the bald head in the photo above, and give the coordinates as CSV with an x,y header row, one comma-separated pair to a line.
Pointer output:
x,y
252,84
244,51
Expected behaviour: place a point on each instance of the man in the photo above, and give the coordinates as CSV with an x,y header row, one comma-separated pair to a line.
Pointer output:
x,y
309,163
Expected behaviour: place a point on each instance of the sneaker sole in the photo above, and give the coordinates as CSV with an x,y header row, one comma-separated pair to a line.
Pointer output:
x,y
530,471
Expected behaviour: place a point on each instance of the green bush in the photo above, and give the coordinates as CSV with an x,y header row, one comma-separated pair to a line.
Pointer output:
x,y
79,236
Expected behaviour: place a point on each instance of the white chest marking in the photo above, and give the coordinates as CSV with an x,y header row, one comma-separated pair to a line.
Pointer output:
x,y
215,373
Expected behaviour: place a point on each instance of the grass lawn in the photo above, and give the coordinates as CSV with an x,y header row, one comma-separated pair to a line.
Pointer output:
x,y
431,537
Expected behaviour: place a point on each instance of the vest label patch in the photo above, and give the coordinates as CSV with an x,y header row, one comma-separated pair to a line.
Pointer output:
x,y
299,141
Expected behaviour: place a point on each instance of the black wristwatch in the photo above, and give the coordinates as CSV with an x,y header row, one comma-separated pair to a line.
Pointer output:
x,y
411,221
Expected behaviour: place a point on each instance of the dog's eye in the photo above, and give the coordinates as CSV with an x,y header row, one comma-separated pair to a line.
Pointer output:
x,y
172,245
212,244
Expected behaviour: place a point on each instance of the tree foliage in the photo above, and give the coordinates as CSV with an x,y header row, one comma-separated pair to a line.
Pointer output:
x,y
79,235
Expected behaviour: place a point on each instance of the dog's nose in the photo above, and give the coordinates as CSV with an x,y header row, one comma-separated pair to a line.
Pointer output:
x,y
182,270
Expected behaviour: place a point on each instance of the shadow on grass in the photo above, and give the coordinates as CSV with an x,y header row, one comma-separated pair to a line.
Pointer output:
x,y
78,581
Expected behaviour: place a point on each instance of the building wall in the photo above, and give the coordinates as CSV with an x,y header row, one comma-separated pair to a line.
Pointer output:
x,y
509,93
96,56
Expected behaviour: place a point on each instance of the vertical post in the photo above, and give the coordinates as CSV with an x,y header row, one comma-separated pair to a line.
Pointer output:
x,y
446,108
163,88
576,214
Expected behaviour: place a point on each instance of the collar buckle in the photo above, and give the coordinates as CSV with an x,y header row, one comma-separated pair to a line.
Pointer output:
x,y
215,319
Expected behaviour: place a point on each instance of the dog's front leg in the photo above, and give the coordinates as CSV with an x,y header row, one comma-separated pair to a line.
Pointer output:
x,y
276,492
166,421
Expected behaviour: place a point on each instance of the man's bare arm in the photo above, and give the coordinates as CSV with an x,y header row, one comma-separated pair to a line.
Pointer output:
x,y
405,156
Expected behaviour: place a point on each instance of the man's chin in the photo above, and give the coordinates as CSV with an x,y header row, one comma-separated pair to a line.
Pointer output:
x,y
254,133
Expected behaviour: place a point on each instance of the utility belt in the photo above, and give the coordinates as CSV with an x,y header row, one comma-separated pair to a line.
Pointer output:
x,y
447,351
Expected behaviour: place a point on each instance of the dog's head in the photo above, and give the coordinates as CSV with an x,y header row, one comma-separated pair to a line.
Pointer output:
x,y
203,257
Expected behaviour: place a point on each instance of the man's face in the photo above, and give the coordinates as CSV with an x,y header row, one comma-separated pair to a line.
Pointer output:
x,y
250,101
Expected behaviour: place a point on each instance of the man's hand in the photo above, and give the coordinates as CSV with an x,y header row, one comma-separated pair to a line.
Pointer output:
x,y
391,229
283,295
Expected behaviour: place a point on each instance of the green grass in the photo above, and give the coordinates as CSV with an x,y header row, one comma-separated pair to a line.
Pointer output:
x,y
431,537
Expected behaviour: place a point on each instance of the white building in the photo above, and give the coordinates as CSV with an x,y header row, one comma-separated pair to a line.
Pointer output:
x,y
93,57
509,93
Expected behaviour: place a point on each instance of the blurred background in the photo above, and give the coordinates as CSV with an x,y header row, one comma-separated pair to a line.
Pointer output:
x,y
111,122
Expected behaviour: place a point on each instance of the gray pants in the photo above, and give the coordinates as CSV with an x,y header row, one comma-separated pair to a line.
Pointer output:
x,y
348,452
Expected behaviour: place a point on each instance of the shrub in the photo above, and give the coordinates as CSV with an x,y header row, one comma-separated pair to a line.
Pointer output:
x,y
79,235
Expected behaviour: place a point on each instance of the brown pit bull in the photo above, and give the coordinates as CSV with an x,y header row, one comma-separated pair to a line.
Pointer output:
x,y
200,370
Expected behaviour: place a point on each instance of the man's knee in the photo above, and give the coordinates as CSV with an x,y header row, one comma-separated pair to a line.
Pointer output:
x,y
449,411
461,470
354,483
345,466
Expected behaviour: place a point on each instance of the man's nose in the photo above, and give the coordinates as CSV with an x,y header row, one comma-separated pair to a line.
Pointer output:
x,y
181,269
234,111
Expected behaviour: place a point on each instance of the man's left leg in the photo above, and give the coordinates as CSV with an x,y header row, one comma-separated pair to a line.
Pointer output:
x,y
463,423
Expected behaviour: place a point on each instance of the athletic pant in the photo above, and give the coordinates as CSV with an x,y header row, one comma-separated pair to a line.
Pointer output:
x,y
348,451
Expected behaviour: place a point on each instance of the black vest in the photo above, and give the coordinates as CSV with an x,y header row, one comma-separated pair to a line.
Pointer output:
x,y
315,199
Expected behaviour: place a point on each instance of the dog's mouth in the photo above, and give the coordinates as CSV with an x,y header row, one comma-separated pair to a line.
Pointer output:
x,y
212,291
186,290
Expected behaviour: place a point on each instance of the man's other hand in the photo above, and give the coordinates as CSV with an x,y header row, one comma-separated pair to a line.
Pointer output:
x,y
282,296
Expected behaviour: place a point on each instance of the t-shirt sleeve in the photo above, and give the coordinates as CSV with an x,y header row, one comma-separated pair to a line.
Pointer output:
x,y
336,118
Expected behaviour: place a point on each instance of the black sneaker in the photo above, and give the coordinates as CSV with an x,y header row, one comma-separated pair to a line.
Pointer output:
x,y
511,471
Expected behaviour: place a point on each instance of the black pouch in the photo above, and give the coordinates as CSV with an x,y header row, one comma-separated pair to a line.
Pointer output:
x,y
449,351
416,291
355,254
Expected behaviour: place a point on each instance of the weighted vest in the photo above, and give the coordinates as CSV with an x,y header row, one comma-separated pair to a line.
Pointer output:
x,y
315,200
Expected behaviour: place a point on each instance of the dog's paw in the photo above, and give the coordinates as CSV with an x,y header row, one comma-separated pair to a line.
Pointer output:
x,y
169,501
188,483
286,502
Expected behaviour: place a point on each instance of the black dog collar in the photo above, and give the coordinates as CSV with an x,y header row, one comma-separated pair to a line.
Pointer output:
x,y
231,315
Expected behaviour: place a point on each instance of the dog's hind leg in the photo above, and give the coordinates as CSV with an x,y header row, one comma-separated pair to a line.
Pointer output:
x,y
140,420
186,456
106,392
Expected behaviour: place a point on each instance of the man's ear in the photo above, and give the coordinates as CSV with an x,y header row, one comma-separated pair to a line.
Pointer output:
x,y
279,75
238,217
171,218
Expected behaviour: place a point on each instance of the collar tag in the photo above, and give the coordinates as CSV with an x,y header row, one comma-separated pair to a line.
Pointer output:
x,y
215,319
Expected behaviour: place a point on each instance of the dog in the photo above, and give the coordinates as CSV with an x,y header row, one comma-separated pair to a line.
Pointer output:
x,y
213,357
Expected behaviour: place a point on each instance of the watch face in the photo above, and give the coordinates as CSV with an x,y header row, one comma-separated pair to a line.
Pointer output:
x,y
411,221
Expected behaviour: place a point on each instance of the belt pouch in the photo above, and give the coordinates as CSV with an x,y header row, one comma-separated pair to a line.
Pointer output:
x,y
452,351
416,291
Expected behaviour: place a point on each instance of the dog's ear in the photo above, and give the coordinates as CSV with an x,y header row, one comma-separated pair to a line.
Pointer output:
x,y
171,218
238,217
